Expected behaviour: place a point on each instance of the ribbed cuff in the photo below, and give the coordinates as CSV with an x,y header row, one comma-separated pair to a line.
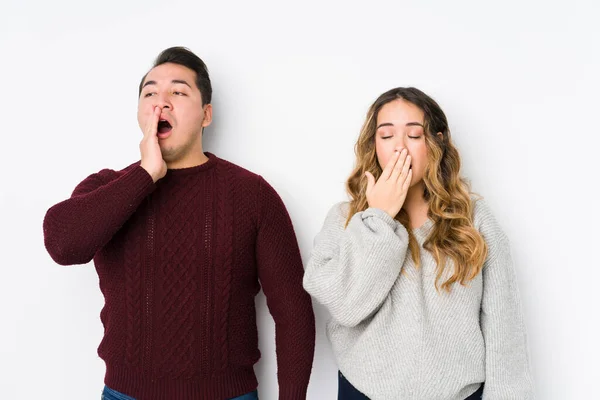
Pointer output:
x,y
140,183
382,215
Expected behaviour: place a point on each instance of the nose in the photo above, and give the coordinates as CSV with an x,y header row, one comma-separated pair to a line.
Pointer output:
x,y
163,102
400,145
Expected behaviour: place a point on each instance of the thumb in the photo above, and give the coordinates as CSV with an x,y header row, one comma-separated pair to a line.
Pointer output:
x,y
370,181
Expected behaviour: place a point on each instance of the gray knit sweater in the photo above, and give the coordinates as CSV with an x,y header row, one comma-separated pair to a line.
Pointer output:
x,y
394,336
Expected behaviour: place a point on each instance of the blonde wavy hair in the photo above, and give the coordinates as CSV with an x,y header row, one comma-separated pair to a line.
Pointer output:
x,y
453,236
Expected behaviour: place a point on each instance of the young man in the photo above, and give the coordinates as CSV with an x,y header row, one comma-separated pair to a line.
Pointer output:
x,y
180,241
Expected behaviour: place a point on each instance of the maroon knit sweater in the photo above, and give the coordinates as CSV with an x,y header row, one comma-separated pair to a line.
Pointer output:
x,y
180,263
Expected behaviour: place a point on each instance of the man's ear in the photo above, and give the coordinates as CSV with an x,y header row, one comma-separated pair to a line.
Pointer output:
x,y
207,115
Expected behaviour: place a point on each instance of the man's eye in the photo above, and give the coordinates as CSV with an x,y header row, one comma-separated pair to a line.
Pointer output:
x,y
149,94
179,94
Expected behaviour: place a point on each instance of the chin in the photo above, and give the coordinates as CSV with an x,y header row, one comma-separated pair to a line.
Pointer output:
x,y
417,182
169,154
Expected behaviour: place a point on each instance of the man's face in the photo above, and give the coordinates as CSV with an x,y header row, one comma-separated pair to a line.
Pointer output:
x,y
172,87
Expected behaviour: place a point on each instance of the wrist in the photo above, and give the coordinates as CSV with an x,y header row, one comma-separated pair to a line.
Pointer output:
x,y
152,174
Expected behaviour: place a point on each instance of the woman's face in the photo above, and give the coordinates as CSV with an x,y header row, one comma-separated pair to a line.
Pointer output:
x,y
400,126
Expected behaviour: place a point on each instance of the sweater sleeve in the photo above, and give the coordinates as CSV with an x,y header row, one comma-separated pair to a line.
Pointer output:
x,y
76,228
280,272
351,271
508,374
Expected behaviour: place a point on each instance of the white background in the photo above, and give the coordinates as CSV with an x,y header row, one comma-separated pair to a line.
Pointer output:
x,y
292,83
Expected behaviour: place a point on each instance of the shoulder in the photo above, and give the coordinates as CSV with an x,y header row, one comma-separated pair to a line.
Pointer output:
x,y
337,216
249,180
237,170
483,215
487,224
253,191
339,211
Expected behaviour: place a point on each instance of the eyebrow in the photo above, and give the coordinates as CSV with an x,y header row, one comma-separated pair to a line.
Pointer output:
x,y
173,81
407,124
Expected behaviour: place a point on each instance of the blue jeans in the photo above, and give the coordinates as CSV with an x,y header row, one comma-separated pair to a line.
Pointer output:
x,y
110,394
348,392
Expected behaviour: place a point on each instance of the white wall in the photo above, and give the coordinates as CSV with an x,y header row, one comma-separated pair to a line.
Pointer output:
x,y
292,83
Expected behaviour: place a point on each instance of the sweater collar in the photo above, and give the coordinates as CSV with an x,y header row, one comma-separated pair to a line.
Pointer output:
x,y
212,161
422,232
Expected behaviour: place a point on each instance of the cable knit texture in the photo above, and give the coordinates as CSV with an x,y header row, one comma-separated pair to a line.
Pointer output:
x,y
179,264
394,336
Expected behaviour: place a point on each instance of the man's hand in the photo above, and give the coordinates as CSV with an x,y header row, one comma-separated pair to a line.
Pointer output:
x,y
152,160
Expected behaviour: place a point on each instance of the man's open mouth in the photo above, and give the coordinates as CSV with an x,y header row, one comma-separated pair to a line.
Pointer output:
x,y
164,126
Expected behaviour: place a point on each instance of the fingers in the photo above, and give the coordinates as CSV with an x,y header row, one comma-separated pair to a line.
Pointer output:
x,y
370,181
407,181
152,123
385,175
398,167
405,169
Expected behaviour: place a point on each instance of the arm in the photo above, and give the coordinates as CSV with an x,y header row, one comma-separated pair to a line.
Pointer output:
x,y
75,229
508,374
351,271
280,272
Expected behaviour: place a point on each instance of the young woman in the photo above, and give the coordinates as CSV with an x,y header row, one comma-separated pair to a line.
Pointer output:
x,y
415,271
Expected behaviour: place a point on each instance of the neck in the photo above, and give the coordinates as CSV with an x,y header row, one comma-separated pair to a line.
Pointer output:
x,y
193,158
415,206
